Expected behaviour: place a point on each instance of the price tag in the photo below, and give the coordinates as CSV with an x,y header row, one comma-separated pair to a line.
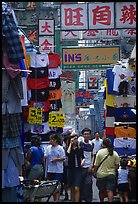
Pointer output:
x,y
35,115
56,119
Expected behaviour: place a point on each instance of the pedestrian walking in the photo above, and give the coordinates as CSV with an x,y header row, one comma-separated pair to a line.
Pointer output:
x,y
86,191
97,141
105,167
55,155
36,158
76,161
123,180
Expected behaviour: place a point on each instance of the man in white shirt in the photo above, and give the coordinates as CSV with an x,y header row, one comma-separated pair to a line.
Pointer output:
x,y
97,141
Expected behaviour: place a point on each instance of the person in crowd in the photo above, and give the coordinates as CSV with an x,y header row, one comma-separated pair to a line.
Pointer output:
x,y
76,161
36,159
86,191
123,180
55,156
97,142
106,172
26,165
66,138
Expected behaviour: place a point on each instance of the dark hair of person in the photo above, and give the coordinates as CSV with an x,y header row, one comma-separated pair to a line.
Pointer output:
x,y
96,132
54,136
123,162
36,141
107,143
85,130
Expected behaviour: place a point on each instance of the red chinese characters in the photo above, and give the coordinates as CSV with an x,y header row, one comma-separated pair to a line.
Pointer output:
x,y
102,15
46,27
128,14
73,16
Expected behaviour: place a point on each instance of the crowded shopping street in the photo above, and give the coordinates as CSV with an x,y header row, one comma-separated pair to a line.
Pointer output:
x,y
68,101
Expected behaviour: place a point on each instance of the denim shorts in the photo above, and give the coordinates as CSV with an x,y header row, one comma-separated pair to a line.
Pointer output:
x,y
55,176
106,183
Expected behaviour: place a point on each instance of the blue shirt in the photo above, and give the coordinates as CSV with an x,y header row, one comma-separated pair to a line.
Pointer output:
x,y
37,155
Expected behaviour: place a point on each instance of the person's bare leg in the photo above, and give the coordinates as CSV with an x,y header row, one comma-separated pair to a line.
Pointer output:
x,y
77,193
72,194
56,196
125,197
110,195
101,196
121,197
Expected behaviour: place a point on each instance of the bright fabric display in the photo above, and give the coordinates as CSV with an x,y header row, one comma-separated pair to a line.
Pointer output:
x,y
54,83
110,81
54,73
121,74
109,121
128,101
132,87
45,105
122,131
54,60
55,94
40,128
38,60
37,83
38,72
125,142
124,112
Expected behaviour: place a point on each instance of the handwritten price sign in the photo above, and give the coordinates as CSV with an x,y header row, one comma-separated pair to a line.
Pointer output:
x,y
35,115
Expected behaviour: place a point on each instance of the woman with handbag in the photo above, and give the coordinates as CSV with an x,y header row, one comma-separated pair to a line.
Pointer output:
x,y
105,166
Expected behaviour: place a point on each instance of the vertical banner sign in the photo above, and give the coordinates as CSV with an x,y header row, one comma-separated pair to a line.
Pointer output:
x,y
46,35
35,115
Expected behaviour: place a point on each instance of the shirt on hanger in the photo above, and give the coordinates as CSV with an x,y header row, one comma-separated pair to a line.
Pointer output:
x,y
37,83
121,74
45,105
38,72
40,94
55,94
54,60
121,131
38,60
121,101
125,142
54,73
54,83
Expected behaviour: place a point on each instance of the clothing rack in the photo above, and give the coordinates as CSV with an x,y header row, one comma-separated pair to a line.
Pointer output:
x,y
21,70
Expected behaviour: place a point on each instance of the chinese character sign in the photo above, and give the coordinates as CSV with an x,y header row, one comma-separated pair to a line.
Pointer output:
x,y
101,15
74,16
98,16
46,27
126,14
46,44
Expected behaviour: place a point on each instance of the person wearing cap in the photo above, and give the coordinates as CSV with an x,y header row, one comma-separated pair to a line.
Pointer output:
x,y
36,158
106,173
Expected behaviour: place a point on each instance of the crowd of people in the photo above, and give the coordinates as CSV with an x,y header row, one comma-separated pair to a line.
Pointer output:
x,y
74,160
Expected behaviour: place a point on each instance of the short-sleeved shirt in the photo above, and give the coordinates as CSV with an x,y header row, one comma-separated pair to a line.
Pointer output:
x,y
97,145
37,155
109,164
52,152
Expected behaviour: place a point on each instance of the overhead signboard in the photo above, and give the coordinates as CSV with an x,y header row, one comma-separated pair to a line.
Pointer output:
x,y
90,57
107,15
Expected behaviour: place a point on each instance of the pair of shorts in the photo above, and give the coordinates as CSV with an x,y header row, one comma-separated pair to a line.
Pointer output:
x,y
123,187
74,177
106,183
54,176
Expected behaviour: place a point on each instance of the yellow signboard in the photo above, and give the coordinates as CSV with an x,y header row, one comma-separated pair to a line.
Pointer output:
x,y
89,57
35,115
56,119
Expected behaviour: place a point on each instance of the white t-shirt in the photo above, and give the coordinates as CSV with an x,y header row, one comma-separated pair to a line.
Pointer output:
x,y
120,74
129,101
40,128
125,142
52,152
54,73
97,145
38,60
